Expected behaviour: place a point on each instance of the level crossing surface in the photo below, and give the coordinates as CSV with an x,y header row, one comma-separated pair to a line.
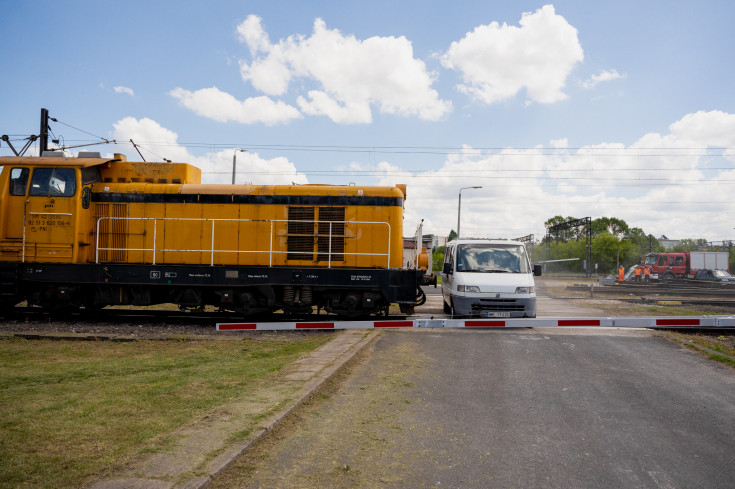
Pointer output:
x,y
557,408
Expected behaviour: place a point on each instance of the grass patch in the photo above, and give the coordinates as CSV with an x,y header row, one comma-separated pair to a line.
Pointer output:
x,y
722,359
724,345
74,409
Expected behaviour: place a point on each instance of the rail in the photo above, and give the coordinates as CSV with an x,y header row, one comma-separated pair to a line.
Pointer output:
x,y
212,250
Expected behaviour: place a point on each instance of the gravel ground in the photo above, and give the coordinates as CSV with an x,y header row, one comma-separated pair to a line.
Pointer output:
x,y
136,327
107,328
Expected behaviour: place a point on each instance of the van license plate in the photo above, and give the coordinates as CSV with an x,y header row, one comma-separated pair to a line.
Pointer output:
x,y
497,314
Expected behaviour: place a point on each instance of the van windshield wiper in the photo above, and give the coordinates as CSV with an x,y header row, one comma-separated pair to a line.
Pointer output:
x,y
494,271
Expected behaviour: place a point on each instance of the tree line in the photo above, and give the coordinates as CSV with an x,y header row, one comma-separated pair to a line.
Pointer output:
x,y
614,243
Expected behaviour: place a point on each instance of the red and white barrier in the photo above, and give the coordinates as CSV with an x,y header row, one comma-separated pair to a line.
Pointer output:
x,y
607,322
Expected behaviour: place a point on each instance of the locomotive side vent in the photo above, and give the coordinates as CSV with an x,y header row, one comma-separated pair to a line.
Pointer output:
x,y
112,232
327,218
300,237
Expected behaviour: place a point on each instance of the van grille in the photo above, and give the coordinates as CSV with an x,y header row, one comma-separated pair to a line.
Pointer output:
x,y
497,305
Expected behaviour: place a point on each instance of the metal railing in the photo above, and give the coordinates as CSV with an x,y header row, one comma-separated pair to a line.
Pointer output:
x,y
212,250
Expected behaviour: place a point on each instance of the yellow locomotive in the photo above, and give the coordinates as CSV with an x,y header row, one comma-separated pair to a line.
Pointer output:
x,y
90,231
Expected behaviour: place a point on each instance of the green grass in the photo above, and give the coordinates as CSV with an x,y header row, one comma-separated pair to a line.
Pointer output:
x,y
723,359
723,345
74,409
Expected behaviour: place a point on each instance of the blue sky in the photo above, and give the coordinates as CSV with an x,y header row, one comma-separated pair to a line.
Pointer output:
x,y
577,108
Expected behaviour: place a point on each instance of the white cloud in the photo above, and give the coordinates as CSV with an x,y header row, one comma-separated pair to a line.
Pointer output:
x,y
251,168
121,89
157,142
675,184
352,75
603,76
251,32
223,107
497,61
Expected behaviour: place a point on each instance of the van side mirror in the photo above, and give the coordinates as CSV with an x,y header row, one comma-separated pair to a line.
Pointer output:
x,y
537,270
447,268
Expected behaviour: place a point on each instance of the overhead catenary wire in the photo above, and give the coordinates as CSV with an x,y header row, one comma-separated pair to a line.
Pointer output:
x,y
452,150
80,130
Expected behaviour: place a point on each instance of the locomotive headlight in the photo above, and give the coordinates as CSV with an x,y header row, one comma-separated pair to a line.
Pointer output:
x,y
525,290
468,288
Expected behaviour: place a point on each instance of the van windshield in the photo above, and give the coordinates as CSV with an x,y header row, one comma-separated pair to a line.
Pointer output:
x,y
492,258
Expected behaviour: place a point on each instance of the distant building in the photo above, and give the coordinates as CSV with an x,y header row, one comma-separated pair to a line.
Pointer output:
x,y
668,243
410,252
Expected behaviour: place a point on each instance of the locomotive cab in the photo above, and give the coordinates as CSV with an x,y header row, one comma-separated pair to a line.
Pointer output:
x,y
45,208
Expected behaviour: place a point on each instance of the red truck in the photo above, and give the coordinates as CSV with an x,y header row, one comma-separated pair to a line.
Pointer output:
x,y
671,266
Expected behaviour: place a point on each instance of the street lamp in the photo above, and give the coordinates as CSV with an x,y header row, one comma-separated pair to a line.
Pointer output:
x,y
234,162
459,209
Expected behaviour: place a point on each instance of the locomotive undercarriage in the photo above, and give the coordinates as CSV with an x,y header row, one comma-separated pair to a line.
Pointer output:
x,y
350,293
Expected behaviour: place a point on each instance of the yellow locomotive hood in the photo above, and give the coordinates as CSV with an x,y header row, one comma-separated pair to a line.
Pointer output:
x,y
399,191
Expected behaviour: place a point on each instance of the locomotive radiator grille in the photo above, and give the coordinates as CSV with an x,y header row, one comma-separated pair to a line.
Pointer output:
x,y
300,237
323,235
327,218
113,233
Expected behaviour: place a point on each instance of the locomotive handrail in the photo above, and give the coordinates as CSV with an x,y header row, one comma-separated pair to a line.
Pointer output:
x,y
212,251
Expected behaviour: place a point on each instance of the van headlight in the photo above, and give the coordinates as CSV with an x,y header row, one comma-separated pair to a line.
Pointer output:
x,y
468,288
525,290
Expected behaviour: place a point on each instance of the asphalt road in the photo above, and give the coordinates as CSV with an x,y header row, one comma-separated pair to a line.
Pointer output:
x,y
510,409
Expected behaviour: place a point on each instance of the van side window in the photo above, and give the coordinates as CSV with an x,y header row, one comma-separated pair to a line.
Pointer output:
x,y
19,181
53,182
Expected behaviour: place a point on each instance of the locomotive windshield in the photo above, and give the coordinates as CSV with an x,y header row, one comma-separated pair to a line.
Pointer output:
x,y
651,259
492,258
53,182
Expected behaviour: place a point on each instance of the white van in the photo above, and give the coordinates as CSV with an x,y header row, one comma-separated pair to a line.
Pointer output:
x,y
488,278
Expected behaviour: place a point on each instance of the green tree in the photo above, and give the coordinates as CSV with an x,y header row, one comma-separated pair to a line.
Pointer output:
x,y
562,234
612,240
612,225
437,258
452,235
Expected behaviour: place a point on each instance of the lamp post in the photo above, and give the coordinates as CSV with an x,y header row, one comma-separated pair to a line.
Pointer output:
x,y
459,209
234,162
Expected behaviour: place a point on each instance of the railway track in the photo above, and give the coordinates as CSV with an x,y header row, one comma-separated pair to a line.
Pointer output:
x,y
159,316
676,289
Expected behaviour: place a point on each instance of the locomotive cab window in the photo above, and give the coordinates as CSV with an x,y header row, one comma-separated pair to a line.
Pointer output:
x,y
91,174
53,182
19,181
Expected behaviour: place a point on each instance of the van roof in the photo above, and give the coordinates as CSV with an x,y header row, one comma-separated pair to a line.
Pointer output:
x,y
484,241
